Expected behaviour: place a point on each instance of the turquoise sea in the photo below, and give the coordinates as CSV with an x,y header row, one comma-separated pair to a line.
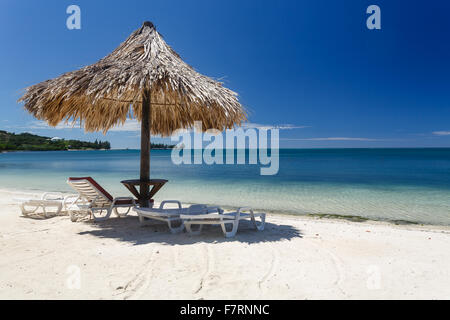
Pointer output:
x,y
387,184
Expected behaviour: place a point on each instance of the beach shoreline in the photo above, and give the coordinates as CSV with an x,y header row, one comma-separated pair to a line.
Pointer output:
x,y
288,214
296,257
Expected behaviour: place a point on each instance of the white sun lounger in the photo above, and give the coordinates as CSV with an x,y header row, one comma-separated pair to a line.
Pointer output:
x,y
171,215
49,200
222,219
94,200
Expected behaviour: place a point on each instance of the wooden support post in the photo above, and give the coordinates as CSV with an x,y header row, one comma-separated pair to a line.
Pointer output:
x,y
145,148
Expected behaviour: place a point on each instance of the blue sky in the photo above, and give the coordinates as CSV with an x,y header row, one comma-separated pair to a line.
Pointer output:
x,y
310,67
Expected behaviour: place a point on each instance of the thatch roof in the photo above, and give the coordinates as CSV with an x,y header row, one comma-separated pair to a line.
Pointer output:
x,y
108,92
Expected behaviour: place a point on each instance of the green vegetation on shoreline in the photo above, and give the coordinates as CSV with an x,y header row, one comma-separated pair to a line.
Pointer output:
x,y
30,142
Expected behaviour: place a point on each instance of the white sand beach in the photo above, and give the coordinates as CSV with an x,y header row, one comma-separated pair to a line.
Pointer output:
x,y
294,258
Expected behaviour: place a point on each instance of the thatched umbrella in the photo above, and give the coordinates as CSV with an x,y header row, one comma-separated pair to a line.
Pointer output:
x,y
144,78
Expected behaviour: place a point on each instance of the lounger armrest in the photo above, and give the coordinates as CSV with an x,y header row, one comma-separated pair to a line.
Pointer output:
x,y
124,198
161,206
48,195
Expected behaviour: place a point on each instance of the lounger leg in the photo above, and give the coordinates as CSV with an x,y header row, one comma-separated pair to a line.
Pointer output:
x,y
178,229
72,216
234,229
26,212
75,213
108,214
59,209
45,211
142,220
57,212
260,226
121,214
47,214
193,232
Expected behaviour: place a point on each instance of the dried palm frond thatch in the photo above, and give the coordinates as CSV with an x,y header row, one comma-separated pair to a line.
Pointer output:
x,y
105,94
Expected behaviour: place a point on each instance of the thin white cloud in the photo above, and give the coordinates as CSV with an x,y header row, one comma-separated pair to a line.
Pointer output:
x,y
40,125
250,125
441,133
131,125
333,139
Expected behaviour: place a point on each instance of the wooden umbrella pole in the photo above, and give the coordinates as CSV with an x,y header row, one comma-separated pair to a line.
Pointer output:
x,y
145,148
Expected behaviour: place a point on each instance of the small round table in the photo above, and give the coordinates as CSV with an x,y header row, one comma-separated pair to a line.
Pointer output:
x,y
156,184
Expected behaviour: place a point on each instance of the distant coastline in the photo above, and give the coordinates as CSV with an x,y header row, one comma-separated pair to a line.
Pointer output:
x,y
30,142
25,142
69,150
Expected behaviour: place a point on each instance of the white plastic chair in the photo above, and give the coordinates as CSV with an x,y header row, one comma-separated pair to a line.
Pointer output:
x,y
223,219
170,215
47,201
96,201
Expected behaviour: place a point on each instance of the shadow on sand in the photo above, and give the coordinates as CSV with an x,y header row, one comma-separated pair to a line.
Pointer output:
x,y
128,229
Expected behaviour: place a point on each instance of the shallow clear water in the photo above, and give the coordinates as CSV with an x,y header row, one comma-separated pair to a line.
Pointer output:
x,y
394,184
